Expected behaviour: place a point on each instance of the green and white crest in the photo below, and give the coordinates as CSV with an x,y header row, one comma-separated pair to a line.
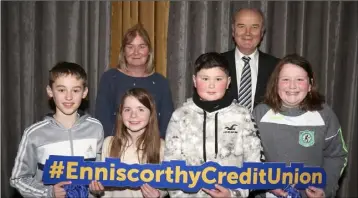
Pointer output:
x,y
306,138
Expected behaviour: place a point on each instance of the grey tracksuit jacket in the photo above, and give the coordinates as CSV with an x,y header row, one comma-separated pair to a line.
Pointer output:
x,y
310,137
48,137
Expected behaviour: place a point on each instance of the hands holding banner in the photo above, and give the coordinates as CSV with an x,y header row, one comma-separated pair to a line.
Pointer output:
x,y
176,175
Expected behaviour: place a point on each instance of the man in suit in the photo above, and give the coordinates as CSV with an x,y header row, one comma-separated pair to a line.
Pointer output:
x,y
248,29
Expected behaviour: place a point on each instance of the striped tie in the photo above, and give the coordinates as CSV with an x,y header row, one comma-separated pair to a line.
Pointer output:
x,y
245,85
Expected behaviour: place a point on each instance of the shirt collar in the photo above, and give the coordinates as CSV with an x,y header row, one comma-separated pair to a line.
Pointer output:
x,y
239,55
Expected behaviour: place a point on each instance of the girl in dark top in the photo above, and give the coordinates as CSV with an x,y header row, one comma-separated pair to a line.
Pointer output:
x,y
135,69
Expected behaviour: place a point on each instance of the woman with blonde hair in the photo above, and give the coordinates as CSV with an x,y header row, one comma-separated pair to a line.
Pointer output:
x,y
135,70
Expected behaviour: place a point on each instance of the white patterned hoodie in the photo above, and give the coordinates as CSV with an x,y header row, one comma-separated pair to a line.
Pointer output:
x,y
237,139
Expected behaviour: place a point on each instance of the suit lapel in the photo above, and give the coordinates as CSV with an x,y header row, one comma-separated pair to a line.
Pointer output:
x,y
263,75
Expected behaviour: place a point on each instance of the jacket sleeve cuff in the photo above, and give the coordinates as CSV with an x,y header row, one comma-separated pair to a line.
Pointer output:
x,y
238,193
235,193
50,192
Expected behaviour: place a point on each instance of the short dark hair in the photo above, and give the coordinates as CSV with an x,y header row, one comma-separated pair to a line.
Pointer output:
x,y
67,68
210,60
313,101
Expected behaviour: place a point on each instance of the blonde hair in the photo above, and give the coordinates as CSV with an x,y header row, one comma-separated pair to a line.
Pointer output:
x,y
136,30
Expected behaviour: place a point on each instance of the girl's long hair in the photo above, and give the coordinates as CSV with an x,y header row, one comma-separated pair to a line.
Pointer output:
x,y
148,144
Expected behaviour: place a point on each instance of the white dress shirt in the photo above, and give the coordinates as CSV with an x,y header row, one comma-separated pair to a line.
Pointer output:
x,y
254,66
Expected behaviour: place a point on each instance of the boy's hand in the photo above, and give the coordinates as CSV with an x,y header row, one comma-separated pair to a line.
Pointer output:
x,y
59,191
314,192
149,192
96,187
219,191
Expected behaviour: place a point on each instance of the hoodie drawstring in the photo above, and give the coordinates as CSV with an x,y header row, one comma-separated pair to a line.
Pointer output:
x,y
216,135
204,136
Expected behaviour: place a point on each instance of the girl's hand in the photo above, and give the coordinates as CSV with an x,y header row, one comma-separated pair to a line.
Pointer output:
x,y
219,191
149,192
313,192
96,188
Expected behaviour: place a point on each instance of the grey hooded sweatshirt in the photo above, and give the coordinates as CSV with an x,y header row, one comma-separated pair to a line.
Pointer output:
x,y
227,136
48,137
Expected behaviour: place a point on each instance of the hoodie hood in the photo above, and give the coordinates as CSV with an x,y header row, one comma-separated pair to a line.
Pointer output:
x,y
211,106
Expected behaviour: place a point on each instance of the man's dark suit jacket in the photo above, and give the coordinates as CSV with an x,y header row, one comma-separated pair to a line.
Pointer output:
x,y
266,65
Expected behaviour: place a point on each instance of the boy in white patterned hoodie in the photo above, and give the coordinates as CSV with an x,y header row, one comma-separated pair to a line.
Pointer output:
x,y
211,126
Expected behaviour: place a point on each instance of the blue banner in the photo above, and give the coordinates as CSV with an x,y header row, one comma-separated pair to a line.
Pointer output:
x,y
176,174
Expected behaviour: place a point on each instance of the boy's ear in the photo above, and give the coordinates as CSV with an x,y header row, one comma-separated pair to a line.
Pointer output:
x,y
194,81
49,91
228,82
85,92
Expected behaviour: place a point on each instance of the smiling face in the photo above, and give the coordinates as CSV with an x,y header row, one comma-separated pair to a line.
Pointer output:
x,y
293,85
211,84
135,115
247,30
67,92
136,52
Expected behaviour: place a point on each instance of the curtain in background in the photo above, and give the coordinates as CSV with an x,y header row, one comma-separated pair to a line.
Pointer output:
x,y
154,17
326,33
35,36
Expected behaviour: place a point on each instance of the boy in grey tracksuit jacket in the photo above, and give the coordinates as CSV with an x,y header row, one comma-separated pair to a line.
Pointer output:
x,y
46,138
66,133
